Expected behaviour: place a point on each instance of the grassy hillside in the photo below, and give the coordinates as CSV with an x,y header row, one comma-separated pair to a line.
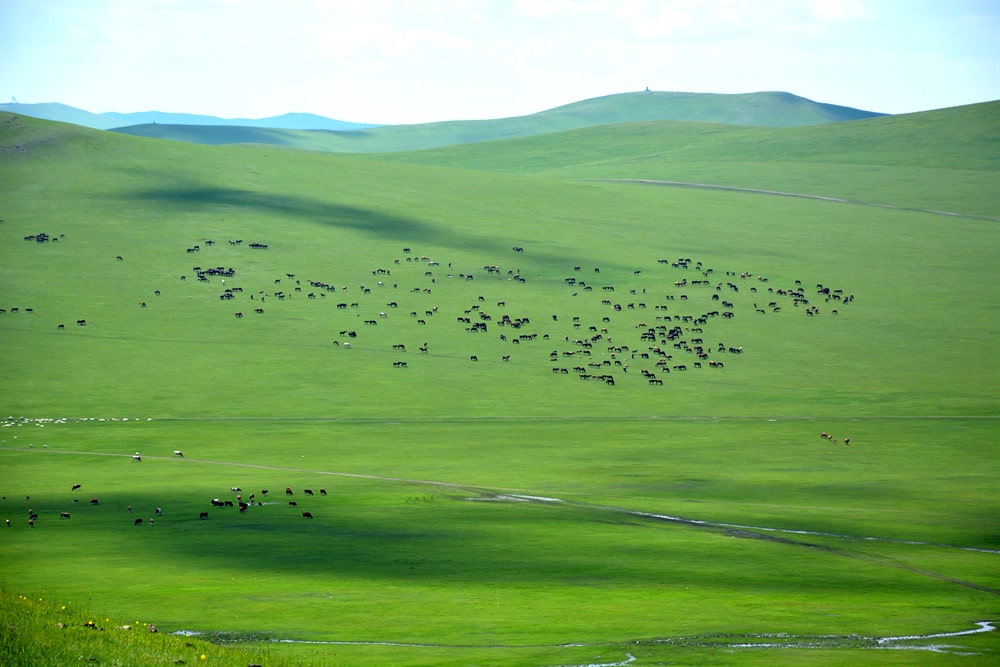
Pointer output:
x,y
758,109
517,508
946,160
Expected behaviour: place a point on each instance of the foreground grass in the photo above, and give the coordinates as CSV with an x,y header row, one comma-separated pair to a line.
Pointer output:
x,y
448,565
37,632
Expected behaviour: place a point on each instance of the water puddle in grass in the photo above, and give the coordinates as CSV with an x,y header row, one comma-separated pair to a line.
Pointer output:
x,y
754,641
514,497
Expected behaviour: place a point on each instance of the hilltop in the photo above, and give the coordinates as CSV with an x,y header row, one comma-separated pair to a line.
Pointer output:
x,y
764,109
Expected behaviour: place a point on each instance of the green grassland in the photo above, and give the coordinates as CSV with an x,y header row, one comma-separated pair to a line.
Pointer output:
x,y
500,510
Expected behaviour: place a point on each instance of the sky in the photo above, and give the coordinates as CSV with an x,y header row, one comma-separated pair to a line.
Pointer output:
x,y
415,61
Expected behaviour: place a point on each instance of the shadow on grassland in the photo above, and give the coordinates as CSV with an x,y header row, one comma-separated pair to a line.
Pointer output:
x,y
189,197
441,537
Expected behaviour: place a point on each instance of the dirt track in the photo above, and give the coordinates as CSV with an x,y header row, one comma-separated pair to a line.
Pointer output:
x,y
757,191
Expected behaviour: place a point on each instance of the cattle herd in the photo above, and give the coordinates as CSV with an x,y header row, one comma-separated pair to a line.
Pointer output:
x,y
654,322
643,324
75,504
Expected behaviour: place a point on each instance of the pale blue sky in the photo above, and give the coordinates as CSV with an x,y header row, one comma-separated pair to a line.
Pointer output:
x,y
407,61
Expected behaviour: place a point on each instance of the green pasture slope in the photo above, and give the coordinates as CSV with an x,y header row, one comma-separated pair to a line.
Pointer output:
x,y
941,160
519,508
769,109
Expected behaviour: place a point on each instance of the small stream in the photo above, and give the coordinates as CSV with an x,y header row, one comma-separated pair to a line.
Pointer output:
x,y
754,641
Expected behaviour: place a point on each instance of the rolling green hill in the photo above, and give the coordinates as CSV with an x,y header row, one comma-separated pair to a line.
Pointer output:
x,y
954,154
756,109
543,417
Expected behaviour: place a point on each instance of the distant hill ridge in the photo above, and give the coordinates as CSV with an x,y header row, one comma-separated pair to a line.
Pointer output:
x,y
110,120
763,109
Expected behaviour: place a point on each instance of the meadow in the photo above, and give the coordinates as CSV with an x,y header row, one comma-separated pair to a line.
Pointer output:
x,y
503,510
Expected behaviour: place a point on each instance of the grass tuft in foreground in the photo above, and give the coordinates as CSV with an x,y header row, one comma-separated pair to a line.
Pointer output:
x,y
36,632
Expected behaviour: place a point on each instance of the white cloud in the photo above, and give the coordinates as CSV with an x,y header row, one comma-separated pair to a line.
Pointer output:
x,y
839,10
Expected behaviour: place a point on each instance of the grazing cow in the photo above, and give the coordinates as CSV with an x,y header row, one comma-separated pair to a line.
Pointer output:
x,y
288,490
263,492
93,501
292,503
203,515
238,314
307,515
138,522
63,515
308,492
178,453
136,458
217,503
473,358
75,487
322,492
